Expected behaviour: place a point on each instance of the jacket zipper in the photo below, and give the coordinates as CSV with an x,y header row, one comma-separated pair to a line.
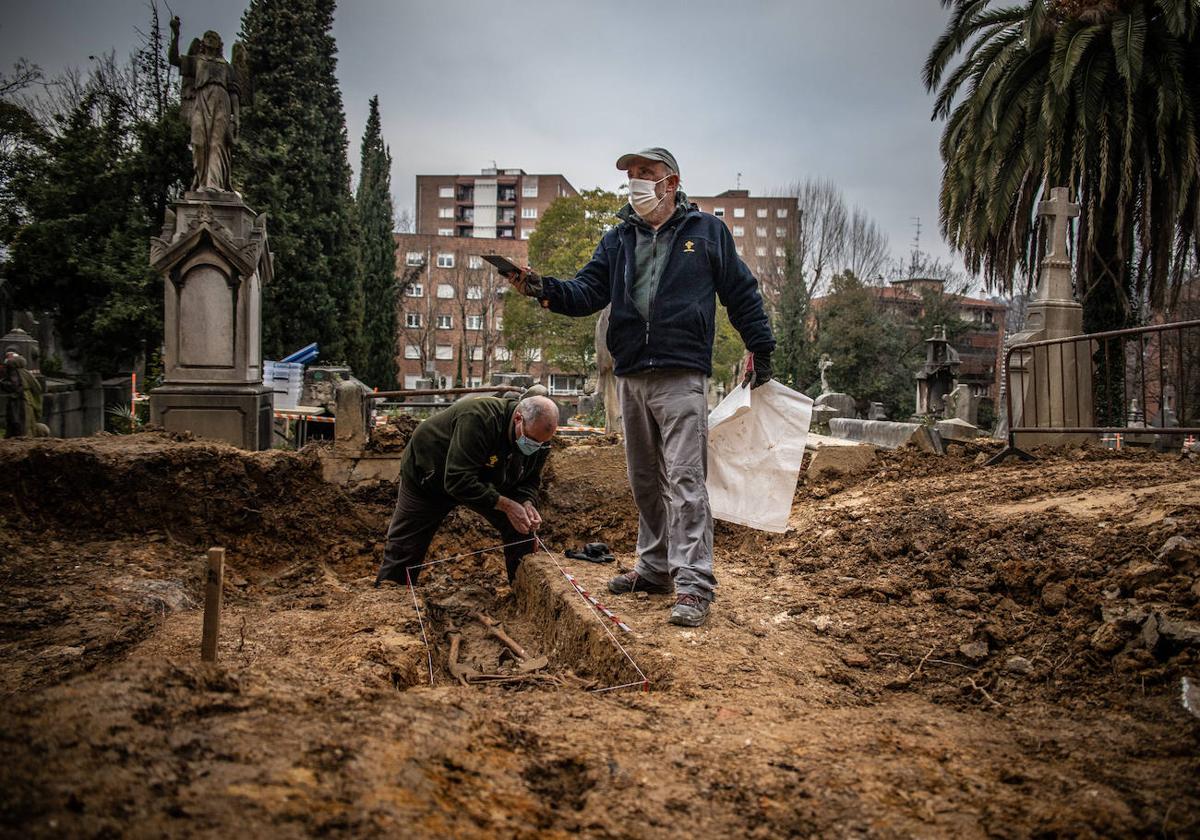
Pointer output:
x,y
666,265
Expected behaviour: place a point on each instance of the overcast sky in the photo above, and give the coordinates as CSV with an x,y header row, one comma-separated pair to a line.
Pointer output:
x,y
778,90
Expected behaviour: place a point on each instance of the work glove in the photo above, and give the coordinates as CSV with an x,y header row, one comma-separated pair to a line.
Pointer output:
x,y
759,370
528,282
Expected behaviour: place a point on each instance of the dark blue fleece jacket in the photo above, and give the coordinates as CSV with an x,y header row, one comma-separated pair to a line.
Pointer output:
x,y
703,265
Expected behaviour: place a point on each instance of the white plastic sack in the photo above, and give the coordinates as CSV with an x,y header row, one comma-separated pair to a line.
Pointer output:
x,y
755,446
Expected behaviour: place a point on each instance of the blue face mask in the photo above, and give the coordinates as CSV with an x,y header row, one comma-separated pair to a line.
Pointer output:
x,y
528,446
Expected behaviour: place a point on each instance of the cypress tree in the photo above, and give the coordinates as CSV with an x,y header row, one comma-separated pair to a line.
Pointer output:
x,y
292,164
376,254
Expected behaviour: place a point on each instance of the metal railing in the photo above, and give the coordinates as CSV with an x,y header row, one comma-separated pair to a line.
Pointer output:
x,y
1105,384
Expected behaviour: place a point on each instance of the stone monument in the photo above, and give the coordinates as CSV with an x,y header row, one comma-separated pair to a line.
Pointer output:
x,y
936,378
1062,380
214,258
830,403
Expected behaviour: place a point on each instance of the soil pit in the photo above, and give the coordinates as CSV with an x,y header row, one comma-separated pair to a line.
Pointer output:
x,y
935,648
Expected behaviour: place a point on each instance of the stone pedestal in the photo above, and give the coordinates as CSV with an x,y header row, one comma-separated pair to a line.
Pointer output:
x,y
1052,387
842,404
214,259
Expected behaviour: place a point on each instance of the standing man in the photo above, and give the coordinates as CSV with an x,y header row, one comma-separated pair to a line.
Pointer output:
x,y
486,454
662,269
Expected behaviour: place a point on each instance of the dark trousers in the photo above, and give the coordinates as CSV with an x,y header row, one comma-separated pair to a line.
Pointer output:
x,y
415,521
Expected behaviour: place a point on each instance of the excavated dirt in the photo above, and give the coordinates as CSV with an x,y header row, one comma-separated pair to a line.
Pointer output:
x,y
935,648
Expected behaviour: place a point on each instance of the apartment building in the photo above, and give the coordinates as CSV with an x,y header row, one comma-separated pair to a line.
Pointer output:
x,y
496,204
762,226
451,314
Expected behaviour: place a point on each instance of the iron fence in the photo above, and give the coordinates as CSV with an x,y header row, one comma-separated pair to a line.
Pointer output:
x,y
1139,385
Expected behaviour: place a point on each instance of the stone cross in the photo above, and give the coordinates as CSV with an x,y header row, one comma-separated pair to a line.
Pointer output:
x,y
1060,209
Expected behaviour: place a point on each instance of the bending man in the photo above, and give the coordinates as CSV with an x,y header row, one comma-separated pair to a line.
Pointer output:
x,y
486,454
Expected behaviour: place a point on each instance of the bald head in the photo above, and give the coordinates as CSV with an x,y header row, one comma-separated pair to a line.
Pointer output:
x,y
539,416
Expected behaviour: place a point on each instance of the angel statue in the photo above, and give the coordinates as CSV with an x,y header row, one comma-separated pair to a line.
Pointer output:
x,y
211,97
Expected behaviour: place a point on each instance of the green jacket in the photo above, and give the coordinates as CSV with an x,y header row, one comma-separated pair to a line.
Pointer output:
x,y
467,453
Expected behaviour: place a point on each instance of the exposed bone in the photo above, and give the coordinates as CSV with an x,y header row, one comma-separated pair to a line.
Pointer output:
x,y
531,665
463,673
496,629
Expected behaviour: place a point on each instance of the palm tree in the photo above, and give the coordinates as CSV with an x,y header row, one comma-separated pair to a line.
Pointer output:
x,y
1098,95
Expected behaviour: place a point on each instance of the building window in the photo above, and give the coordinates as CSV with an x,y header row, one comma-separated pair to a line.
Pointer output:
x,y
781,213
445,322
445,261
412,319
445,212
739,212
415,290
474,322
719,212
445,291
739,250
476,354
779,252
760,251
445,192
474,292
535,355
499,319
474,261
760,232
503,354
474,381
529,186
738,230
412,351
781,232
565,385
444,352
411,380
528,212
414,258
526,232
445,231
761,212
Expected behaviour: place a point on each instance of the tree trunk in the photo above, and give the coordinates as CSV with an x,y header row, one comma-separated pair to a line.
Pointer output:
x,y
1107,306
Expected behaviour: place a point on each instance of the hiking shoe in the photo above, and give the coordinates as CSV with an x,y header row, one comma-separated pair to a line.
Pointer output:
x,y
689,611
633,582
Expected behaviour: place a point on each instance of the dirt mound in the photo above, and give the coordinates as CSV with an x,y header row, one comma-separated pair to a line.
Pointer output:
x,y
393,435
200,493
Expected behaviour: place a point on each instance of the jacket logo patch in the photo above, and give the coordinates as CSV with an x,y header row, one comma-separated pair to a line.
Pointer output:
x,y
688,247
493,460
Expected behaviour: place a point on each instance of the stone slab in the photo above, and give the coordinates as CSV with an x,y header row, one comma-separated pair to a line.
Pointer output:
x,y
884,433
833,461
956,429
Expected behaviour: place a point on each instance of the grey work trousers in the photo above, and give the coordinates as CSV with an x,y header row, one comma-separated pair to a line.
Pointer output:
x,y
665,414
415,521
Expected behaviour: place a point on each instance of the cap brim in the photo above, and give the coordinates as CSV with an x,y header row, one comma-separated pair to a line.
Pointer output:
x,y
625,161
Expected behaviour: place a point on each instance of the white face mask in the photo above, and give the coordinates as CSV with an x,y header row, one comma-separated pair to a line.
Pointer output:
x,y
643,197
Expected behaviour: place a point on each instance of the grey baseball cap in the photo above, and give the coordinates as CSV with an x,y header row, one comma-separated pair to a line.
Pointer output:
x,y
657,153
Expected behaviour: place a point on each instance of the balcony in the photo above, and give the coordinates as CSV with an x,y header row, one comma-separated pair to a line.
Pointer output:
x,y
465,195
506,196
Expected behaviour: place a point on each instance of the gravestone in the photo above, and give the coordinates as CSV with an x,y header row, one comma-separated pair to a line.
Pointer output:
x,y
963,405
1055,388
214,258
842,405
877,412
935,379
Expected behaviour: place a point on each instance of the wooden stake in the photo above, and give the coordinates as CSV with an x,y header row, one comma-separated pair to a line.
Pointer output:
x,y
212,604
